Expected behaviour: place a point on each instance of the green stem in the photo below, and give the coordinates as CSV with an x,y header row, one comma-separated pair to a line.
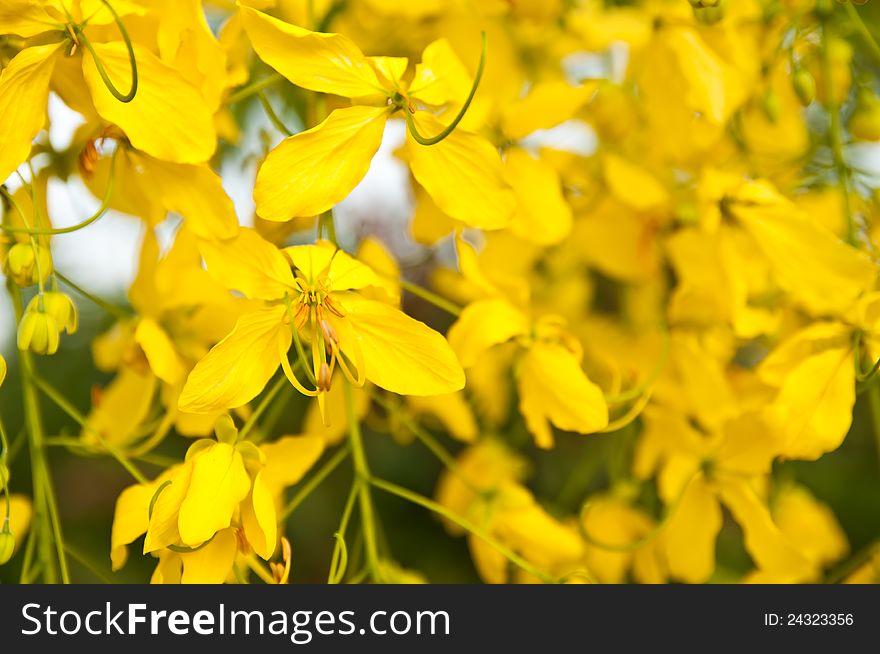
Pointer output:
x,y
111,309
433,140
429,296
102,209
835,133
362,474
280,383
326,226
337,564
464,523
77,556
44,495
271,115
314,481
863,30
874,402
254,88
64,404
116,93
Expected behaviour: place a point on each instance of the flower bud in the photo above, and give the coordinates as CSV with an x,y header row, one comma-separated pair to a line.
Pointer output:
x,y
771,106
804,86
38,332
60,306
22,261
7,543
2,369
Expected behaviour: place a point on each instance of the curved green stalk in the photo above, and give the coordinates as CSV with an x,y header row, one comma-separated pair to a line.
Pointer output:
x,y
464,523
433,140
271,115
53,231
116,93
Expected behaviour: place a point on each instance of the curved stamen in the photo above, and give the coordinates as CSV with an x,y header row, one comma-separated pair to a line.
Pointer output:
x,y
288,372
411,125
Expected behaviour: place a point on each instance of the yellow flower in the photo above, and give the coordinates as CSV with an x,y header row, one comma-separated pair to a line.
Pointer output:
x,y
366,339
160,91
312,171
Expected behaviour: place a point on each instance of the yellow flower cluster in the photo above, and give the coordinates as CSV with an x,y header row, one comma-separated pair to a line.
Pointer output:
x,y
648,225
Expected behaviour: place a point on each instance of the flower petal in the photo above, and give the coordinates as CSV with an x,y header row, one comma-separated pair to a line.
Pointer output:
x,y
463,175
219,482
326,63
400,354
167,118
258,518
249,264
481,325
24,94
312,171
238,367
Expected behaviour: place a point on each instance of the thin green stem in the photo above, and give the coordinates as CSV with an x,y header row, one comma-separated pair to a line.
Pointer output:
x,y
433,140
271,115
362,473
429,296
337,564
280,383
113,310
64,404
314,481
116,93
863,30
254,87
327,226
54,231
835,134
464,523
44,495
83,560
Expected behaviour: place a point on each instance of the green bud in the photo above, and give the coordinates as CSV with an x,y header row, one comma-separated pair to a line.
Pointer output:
x,y
38,332
60,306
771,106
804,85
7,543
21,264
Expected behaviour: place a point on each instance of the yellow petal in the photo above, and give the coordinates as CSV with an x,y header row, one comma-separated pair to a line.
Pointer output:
x,y
624,177
289,458
810,262
192,191
123,406
553,387
27,18
463,175
168,570
813,411
249,264
400,354
326,63
481,325
342,270
163,530
238,367
452,411
130,520
159,350
167,119
24,94
312,171
258,518
810,524
547,105
689,537
21,513
767,545
542,215
212,563
219,482
440,77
